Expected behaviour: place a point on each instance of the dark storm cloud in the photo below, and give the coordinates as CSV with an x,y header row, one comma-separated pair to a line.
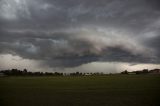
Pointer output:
x,y
154,43
68,33
154,3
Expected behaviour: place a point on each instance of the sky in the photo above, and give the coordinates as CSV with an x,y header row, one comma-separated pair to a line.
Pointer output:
x,y
80,35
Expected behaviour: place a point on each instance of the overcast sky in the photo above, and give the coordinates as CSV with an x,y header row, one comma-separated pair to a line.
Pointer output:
x,y
80,35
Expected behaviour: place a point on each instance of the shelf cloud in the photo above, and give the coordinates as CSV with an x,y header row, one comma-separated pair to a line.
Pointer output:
x,y
69,33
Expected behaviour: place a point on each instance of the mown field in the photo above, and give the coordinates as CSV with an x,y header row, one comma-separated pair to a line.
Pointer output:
x,y
111,90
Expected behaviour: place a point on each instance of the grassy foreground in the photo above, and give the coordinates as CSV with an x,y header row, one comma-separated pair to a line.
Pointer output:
x,y
114,90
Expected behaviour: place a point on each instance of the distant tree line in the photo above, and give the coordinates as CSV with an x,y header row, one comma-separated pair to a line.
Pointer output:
x,y
16,72
144,71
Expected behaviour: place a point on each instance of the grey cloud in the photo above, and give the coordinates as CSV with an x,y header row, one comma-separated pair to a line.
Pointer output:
x,y
73,49
154,3
70,33
154,43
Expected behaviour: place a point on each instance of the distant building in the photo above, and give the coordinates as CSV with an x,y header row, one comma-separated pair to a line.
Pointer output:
x,y
88,74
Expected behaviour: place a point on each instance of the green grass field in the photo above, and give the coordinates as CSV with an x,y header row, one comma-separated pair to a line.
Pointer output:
x,y
112,90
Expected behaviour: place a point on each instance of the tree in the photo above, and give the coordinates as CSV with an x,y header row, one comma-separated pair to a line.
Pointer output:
x,y
124,72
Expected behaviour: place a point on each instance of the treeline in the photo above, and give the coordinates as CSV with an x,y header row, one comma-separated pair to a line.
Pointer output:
x,y
16,72
144,71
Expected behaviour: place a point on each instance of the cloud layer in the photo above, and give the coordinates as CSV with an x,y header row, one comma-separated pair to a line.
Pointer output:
x,y
69,33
